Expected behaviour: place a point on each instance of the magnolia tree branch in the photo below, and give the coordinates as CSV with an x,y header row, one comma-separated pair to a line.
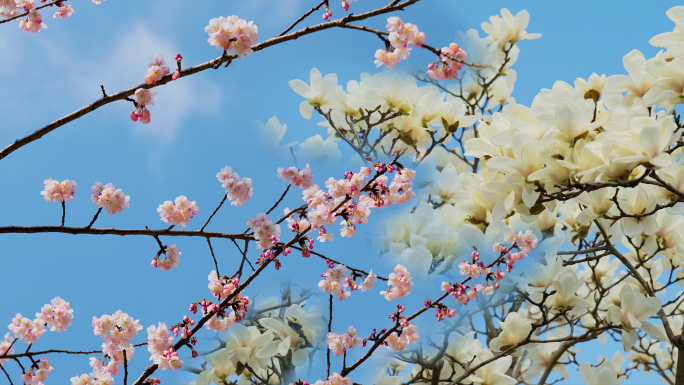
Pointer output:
x,y
391,7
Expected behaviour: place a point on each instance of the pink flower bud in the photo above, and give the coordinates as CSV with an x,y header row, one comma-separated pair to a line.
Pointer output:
x,y
345,5
175,75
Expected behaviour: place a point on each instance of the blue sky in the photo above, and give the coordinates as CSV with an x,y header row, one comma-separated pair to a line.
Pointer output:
x,y
200,124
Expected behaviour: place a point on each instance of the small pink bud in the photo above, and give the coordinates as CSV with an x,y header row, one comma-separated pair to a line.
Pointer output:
x,y
345,5
175,75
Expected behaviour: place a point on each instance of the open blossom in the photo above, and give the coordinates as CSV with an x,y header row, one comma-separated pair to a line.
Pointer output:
x,y
339,342
401,36
25,329
446,68
108,197
159,344
298,178
59,192
56,315
239,190
368,282
145,97
335,282
399,283
9,8
508,28
64,12
399,342
232,34
6,346
157,69
178,213
172,257
265,231
33,22
40,375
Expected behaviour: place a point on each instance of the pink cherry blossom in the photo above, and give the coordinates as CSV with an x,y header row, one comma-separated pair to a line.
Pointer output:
x,y
239,190
6,347
145,97
401,37
57,315
298,178
232,34
34,21
59,192
25,329
108,197
399,283
64,12
179,212
170,262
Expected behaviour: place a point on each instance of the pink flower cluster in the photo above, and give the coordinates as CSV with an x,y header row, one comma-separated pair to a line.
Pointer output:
x,y
170,262
446,68
108,197
64,12
178,213
335,379
160,346
264,230
399,341
59,192
143,98
357,206
40,375
339,342
157,69
6,347
232,34
116,330
474,269
56,315
34,21
302,179
346,4
25,329
239,190
335,282
401,36
178,59
399,284
327,14
221,288
9,8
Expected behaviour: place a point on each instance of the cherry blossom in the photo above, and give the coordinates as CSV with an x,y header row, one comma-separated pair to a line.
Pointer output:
x,y
232,34
238,190
298,178
40,375
399,284
25,329
401,36
108,197
59,192
64,12
179,212
57,315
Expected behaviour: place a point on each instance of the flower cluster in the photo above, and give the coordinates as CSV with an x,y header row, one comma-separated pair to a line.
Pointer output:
x,y
178,59
239,190
335,281
117,330
335,379
399,284
170,262
59,192
265,231
6,347
345,199
449,63
222,287
40,375
178,213
159,344
339,342
34,21
64,12
157,69
143,97
298,178
401,36
407,334
108,197
232,34
56,315
25,329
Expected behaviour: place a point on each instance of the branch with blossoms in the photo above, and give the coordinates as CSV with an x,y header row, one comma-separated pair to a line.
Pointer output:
x,y
237,49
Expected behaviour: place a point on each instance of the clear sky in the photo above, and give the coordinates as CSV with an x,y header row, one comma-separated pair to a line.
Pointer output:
x,y
200,124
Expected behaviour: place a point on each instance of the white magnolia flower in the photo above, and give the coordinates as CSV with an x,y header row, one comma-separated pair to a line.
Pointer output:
x,y
603,375
632,313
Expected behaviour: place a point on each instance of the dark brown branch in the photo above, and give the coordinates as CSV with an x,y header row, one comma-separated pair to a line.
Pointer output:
x,y
26,13
112,231
94,218
304,16
215,210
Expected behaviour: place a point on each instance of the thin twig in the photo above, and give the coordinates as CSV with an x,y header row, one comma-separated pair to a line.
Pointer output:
x,y
94,218
215,210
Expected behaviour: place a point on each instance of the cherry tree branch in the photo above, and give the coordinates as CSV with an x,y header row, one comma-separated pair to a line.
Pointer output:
x,y
26,13
341,22
122,232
